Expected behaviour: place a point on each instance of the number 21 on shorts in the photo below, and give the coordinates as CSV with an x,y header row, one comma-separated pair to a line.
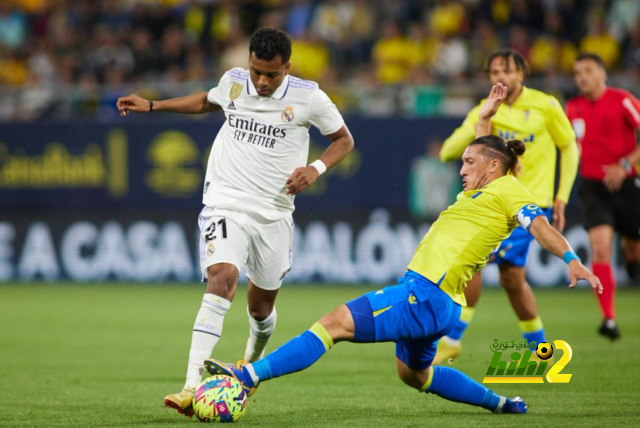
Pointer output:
x,y
210,233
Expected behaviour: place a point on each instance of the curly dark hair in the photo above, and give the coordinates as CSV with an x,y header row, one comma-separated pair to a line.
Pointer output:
x,y
266,43
518,59
507,152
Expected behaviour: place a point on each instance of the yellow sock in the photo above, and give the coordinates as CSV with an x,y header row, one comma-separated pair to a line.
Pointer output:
x,y
531,325
428,383
322,334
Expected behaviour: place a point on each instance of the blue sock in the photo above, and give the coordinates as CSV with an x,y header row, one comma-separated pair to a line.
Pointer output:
x,y
456,386
534,336
295,355
533,331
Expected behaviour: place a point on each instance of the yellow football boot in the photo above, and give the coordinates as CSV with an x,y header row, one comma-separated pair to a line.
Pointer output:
x,y
446,353
182,401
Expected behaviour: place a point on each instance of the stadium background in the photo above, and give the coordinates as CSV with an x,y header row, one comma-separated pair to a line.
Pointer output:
x,y
88,196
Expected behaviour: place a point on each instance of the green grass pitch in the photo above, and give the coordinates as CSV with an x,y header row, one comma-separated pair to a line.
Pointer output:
x,y
105,356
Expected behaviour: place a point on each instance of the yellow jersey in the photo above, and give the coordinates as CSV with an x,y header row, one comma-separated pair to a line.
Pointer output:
x,y
539,121
460,242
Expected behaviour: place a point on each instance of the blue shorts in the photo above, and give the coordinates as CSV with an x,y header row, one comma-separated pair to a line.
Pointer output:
x,y
415,314
515,248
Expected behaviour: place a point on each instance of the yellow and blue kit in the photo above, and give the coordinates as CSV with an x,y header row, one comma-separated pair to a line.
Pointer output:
x,y
425,304
539,121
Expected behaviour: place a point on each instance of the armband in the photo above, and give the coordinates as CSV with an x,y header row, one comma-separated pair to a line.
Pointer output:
x,y
526,215
150,106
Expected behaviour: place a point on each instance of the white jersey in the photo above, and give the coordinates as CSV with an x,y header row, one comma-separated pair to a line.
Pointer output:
x,y
262,142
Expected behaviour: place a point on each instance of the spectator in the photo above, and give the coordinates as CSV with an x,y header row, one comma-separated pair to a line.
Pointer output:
x,y
447,18
360,32
145,54
599,42
549,51
330,21
452,57
110,53
13,26
235,54
310,58
623,18
393,55
299,18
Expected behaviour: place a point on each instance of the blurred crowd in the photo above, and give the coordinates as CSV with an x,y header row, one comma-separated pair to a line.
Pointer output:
x,y
62,59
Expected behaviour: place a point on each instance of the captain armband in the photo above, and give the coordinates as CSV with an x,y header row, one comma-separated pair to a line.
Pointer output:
x,y
527,213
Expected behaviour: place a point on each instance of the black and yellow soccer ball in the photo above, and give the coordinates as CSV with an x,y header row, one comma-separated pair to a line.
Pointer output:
x,y
544,350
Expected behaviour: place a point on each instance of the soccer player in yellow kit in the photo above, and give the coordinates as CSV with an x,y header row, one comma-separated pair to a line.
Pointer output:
x,y
539,121
426,303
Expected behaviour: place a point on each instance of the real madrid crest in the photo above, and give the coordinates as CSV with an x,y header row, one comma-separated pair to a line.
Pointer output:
x,y
287,114
235,91
210,249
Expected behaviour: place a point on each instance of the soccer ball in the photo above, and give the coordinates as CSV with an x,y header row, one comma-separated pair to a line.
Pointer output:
x,y
219,399
544,350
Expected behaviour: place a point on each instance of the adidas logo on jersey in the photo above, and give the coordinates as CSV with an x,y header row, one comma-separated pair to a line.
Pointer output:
x,y
231,106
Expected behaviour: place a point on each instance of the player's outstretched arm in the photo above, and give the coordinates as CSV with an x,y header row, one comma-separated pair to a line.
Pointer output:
x,y
190,104
305,176
552,241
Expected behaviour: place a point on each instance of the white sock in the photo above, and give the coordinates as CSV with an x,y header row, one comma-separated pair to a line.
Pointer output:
x,y
259,334
498,408
252,373
206,333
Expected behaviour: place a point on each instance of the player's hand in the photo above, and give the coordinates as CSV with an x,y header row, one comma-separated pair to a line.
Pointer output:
x,y
490,107
301,178
558,219
614,175
578,271
132,103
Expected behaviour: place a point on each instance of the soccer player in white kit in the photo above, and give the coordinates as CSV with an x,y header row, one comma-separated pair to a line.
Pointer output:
x,y
255,169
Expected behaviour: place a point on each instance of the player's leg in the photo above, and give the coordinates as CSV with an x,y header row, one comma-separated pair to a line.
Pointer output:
x,y
222,280
223,252
632,254
628,224
512,258
415,308
601,240
262,320
512,279
450,346
597,207
414,356
375,316
453,385
269,262
297,354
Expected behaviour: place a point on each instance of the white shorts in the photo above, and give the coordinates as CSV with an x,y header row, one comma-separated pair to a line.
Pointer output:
x,y
264,248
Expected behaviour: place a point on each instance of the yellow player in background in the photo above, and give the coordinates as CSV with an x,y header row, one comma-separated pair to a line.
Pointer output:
x,y
539,120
